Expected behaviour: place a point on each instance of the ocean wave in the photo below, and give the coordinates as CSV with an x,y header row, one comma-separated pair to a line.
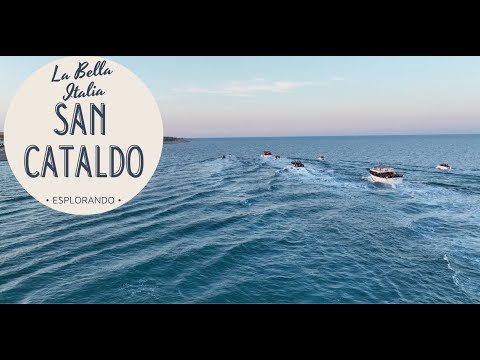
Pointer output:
x,y
207,229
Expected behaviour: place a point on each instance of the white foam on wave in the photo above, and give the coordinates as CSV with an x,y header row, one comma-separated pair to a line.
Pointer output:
x,y
324,176
304,174
445,257
279,164
455,273
309,172
314,174
217,165
449,200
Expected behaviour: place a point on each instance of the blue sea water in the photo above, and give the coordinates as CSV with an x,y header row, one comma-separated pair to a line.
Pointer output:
x,y
243,230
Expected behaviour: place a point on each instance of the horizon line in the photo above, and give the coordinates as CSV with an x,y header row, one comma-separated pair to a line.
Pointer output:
x,y
293,136
296,136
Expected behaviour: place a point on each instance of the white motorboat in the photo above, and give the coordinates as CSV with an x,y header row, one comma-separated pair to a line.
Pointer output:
x,y
227,156
385,175
267,154
321,158
443,166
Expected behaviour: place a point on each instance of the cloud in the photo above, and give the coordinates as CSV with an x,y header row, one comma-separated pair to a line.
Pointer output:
x,y
166,97
339,78
196,90
248,88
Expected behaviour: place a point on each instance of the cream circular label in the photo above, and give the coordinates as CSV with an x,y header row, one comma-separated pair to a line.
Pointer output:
x,y
83,135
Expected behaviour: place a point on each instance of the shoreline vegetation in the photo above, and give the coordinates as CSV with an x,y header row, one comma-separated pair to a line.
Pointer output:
x,y
174,140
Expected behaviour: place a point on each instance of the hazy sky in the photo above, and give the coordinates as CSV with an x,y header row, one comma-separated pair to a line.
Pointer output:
x,y
269,96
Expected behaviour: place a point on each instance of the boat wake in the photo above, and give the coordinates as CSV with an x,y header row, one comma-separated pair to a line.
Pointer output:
x,y
464,283
380,185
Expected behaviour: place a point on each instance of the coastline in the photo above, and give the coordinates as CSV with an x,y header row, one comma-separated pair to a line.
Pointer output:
x,y
175,140
3,155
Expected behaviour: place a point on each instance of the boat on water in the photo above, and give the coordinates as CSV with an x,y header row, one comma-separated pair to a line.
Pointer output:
x,y
385,175
296,166
3,156
321,158
277,157
443,166
227,156
267,154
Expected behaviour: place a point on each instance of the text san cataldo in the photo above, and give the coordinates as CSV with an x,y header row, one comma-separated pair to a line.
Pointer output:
x,y
49,160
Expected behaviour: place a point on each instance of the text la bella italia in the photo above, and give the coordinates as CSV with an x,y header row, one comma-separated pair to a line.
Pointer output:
x,y
49,162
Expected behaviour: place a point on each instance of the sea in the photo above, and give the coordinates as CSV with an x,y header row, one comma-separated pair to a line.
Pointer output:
x,y
245,230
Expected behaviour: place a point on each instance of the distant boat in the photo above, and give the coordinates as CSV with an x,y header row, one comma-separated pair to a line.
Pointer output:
x,y
296,166
443,166
321,158
227,156
277,157
3,156
385,175
267,154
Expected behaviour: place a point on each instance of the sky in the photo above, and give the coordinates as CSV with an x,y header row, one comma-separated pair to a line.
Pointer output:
x,y
297,96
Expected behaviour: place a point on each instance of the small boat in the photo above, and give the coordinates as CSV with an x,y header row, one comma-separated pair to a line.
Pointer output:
x,y
267,154
227,156
385,175
443,166
297,165
277,157
3,156
321,158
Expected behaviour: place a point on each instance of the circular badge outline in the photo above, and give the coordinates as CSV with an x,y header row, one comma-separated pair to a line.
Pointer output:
x,y
119,202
